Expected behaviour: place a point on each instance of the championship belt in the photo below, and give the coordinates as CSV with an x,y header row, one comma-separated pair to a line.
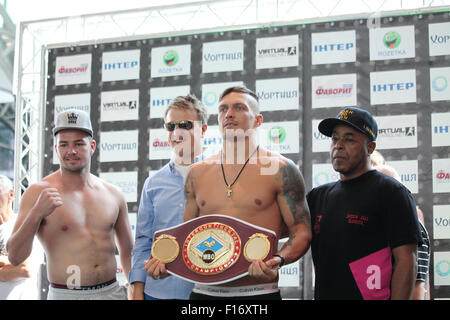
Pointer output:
x,y
212,249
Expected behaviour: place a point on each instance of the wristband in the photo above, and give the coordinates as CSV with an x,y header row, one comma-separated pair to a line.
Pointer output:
x,y
282,259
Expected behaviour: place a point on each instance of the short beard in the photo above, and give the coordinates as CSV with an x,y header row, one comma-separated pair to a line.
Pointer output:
x,y
74,170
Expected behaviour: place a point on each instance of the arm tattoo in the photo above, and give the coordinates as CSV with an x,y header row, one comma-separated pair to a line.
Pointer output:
x,y
293,191
289,242
189,191
188,186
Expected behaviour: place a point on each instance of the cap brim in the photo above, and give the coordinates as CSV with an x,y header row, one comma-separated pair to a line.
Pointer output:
x,y
326,126
56,130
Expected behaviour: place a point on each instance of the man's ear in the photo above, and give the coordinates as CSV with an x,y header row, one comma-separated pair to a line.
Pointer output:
x,y
371,145
93,144
259,120
204,128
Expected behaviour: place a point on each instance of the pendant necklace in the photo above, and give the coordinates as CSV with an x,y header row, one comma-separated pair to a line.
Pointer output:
x,y
228,186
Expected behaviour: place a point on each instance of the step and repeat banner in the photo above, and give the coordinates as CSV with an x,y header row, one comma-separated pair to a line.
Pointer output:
x,y
398,68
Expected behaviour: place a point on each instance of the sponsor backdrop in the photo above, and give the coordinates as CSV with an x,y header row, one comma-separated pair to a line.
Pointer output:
x,y
398,68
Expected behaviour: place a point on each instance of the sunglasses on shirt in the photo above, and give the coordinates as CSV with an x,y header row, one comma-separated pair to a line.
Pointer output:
x,y
184,124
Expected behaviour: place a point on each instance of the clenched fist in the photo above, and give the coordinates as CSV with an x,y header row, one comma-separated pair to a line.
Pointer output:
x,y
48,201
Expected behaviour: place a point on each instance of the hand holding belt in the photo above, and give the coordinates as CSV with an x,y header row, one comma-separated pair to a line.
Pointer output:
x,y
212,249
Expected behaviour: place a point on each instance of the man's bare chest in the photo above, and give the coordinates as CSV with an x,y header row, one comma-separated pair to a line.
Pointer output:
x,y
82,213
249,192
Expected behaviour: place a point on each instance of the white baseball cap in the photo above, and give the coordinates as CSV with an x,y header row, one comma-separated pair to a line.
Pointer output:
x,y
74,120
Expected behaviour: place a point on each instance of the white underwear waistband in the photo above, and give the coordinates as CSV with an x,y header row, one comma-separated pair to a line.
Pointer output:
x,y
236,291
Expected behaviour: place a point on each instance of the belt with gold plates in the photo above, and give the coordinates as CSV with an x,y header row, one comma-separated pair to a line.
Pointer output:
x,y
212,249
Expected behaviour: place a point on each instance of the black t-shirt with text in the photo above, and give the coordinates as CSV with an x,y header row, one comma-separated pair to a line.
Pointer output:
x,y
355,225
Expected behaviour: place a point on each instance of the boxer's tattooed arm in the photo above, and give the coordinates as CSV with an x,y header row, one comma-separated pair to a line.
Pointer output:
x,y
293,191
188,186
189,195
290,240
294,211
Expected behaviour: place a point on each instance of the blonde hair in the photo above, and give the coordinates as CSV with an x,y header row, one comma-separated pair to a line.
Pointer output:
x,y
377,159
188,102
389,171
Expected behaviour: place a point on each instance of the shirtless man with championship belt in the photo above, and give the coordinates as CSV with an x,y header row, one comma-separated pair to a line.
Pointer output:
x,y
76,216
250,183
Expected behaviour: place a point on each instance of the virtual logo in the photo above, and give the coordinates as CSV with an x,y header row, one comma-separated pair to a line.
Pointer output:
x,y
392,40
277,134
170,58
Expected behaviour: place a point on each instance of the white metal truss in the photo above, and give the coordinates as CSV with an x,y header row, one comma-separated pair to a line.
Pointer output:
x,y
7,111
7,34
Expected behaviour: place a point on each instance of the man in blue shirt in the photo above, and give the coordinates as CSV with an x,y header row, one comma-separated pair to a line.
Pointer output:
x,y
162,199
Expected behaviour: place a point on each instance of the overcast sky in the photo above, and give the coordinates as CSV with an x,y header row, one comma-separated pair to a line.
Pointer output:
x,y
27,10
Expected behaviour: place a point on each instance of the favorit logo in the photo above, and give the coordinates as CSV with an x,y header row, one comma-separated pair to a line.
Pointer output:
x,y
334,90
441,175
346,89
73,69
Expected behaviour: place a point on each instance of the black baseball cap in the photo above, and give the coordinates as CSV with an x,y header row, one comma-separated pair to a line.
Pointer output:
x,y
356,118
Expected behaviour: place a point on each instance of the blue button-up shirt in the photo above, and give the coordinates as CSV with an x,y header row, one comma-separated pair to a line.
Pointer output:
x,y
161,206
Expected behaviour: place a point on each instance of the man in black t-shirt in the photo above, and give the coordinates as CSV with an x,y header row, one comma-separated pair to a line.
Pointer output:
x,y
365,227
